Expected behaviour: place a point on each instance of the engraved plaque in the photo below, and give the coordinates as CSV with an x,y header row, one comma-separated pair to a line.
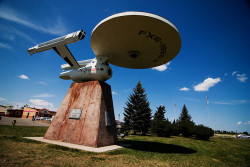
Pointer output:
x,y
75,113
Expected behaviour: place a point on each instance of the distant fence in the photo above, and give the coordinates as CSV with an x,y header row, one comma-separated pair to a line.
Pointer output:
x,y
44,118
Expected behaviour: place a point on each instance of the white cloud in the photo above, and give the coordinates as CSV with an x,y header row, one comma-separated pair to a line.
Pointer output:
x,y
240,122
42,83
222,102
8,13
23,77
45,95
38,103
16,103
234,73
114,93
9,32
206,84
6,32
242,77
247,123
184,89
161,67
5,46
232,102
23,35
1,98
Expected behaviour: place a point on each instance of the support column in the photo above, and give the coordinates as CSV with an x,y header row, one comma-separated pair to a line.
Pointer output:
x,y
85,116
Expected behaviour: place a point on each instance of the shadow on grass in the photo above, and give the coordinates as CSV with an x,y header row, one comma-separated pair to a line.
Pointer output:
x,y
157,147
62,148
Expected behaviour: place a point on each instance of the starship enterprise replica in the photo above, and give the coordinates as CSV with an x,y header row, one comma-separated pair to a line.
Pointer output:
x,y
135,40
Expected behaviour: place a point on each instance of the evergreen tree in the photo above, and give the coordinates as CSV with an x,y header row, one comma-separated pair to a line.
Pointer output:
x,y
185,124
184,114
137,113
160,113
175,128
129,112
160,126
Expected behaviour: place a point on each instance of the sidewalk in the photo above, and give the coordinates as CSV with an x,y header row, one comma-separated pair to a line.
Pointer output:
x,y
20,122
80,147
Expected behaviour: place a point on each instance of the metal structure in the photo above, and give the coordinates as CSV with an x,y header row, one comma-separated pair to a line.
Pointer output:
x,y
130,39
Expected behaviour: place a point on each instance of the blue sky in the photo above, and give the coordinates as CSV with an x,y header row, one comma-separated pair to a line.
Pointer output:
x,y
213,61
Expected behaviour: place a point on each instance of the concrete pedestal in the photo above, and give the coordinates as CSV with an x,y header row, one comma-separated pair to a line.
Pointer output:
x,y
95,127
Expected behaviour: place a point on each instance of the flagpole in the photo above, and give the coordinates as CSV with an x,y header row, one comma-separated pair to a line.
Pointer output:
x,y
175,110
208,112
208,116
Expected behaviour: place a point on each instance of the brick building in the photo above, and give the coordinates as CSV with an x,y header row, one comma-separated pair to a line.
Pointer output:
x,y
29,112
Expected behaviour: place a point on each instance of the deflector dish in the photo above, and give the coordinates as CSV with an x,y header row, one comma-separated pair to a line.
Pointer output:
x,y
136,40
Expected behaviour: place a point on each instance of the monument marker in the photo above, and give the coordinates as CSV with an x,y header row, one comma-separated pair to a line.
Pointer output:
x,y
130,39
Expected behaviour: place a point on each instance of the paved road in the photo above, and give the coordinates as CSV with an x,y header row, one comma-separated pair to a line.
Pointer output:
x,y
20,122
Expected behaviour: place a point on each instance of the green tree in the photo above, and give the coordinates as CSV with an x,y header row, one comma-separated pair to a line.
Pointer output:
x,y
159,114
175,128
184,114
185,124
160,126
246,133
129,112
202,132
137,113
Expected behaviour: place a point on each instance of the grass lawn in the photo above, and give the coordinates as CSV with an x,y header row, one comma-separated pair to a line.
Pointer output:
x,y
144,151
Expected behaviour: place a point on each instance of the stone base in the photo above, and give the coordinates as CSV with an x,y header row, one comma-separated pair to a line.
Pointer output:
x,y
96,126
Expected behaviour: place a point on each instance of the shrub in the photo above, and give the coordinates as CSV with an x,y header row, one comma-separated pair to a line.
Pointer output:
x,y
245,133
162,128
176,131
186,128
203,133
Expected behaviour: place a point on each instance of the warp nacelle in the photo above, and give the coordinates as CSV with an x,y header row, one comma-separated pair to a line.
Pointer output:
x,y
96,69
64,40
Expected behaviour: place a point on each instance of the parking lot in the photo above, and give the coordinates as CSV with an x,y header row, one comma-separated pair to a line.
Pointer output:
x,y
20,122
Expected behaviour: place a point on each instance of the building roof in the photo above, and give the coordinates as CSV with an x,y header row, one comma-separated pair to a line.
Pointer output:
x,y
2,108
42,109
52,111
